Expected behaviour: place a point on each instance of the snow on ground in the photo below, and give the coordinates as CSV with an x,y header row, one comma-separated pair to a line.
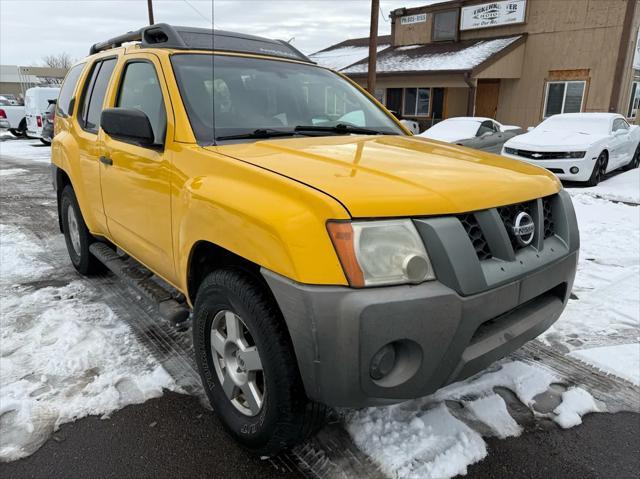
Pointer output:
x,y
424,438
31,150
622,360
63,353
621,187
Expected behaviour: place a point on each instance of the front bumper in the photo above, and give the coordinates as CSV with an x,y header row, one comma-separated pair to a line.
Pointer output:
x,y
562,168
446,330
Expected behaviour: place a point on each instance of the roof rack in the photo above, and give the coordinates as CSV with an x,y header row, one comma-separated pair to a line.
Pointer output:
x,y
162,35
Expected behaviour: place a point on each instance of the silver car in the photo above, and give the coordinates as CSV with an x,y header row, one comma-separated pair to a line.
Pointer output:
x,y
475,132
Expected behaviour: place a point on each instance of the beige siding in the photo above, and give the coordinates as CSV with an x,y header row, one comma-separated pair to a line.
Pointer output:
x,y
455,102
412,34
628,73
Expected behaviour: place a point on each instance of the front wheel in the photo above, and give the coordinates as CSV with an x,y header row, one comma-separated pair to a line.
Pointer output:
x,y
247,364
599,170
76,234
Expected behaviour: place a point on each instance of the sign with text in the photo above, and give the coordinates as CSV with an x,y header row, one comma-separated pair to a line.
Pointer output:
x,y
492,14
409,19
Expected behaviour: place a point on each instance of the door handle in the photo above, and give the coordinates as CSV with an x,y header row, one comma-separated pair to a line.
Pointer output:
x,y
106,161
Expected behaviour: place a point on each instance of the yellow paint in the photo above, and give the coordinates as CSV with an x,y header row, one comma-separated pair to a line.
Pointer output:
x,y
267,201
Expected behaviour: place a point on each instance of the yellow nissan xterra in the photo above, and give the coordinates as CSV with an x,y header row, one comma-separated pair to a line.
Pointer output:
x,y
321,254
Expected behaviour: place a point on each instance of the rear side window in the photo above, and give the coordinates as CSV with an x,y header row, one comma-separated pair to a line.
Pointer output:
x,y
66,92
140,89
94,93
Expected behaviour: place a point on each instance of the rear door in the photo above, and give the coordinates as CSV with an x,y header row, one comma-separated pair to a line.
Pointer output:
x,y
135,179
623,147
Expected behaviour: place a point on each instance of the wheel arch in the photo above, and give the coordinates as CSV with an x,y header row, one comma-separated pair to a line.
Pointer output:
x,y
60,180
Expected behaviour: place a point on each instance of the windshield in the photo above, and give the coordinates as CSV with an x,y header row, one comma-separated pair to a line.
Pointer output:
x,y
574,124
229,96
455,128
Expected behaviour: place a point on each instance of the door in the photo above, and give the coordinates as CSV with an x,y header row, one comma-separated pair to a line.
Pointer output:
x,y
489,137
135,179
394,101
623,142
487,94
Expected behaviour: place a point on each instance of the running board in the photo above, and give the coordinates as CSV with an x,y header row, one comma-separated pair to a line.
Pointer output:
x,y
170,305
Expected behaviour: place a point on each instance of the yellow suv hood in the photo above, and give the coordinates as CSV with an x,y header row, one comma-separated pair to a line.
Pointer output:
x,y
375,176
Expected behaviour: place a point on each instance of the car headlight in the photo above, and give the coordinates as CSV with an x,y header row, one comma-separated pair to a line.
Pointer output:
x,y
510,151
385,252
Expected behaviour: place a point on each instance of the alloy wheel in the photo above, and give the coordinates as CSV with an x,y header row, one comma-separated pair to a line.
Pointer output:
x,y
237,363
74,230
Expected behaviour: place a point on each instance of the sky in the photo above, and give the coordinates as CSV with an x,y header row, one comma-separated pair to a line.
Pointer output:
x,y
30,30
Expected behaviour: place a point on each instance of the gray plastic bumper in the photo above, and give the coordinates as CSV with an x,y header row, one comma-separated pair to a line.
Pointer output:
x,y
444,332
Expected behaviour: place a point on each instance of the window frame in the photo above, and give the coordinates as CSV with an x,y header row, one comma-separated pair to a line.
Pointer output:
x,y
625,125
635,91
416,114
548,84
122,74
456,32
88,84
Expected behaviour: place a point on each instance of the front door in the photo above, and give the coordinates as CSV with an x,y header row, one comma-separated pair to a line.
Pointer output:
x,y
135,179
487,94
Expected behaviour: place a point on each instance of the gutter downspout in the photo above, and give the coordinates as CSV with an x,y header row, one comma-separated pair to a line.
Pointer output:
x,y
622,55
471,96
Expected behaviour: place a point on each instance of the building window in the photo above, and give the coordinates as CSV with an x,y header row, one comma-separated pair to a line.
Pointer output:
x,y
634,102
445,26
564,97
416,101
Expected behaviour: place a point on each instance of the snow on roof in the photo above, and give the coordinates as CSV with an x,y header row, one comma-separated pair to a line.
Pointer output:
x,y
339,58
435,57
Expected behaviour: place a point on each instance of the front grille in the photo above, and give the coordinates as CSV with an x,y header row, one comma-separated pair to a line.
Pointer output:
x,y
547,212
508,215
559,171
476,236
547,155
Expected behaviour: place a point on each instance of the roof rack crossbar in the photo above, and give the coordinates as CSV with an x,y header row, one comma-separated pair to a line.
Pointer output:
x,y
162,35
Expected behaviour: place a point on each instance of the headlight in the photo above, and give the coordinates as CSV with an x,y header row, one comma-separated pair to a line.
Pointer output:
x,y
384,252
510,151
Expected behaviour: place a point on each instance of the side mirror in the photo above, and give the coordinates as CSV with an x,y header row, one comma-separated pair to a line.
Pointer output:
x,y
620,132
127,124
486,133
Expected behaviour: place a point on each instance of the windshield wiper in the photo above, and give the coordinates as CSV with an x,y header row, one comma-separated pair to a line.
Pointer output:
x,y
259,133
341,129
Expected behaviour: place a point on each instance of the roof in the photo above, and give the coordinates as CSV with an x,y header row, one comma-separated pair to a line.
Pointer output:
x,y
461,56
348,52
162,35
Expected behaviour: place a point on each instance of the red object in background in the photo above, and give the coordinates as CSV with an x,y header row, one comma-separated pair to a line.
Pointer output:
x,y
39,120
2,114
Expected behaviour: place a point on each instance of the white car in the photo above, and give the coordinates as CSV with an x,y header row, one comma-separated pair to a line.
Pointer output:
x,y
36,102
473,131
579,146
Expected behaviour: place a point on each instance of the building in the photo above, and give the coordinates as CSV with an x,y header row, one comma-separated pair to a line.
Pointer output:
x,y
15,80
518,61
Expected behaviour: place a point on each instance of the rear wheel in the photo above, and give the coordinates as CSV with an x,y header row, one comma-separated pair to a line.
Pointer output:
x,y
247,364
20,131
635,161
76,234
45,142
599,170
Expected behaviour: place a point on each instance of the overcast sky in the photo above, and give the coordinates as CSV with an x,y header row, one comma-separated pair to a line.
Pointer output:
x,y
30,29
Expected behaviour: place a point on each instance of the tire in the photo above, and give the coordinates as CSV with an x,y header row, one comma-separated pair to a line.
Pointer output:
x,y
232,300
599,170
21,130
635,160
45,142
76,234
15,132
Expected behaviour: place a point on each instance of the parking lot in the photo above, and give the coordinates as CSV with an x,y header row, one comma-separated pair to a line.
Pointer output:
x,y
92,352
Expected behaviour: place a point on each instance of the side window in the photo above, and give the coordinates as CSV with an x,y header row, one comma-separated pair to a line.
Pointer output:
x,y
485,127
93,97
66,92
140,89
620,124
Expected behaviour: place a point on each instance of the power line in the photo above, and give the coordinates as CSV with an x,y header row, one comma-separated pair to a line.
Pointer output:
x,y
210,20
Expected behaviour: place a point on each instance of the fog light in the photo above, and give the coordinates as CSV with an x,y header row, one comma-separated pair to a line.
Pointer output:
x,y
574,170
382,362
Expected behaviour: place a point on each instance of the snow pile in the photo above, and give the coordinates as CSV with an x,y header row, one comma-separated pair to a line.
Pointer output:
x,y
339,58
30,150
576,402
404,59
607,284
63,354
12,171
621,187
622,360
440,435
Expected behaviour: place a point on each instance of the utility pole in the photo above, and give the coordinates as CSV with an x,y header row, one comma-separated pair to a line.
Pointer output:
x,y
373,47
150,8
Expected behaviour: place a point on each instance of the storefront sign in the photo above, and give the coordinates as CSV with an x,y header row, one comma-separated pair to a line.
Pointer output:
x,y
636,56
409,19
493,14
